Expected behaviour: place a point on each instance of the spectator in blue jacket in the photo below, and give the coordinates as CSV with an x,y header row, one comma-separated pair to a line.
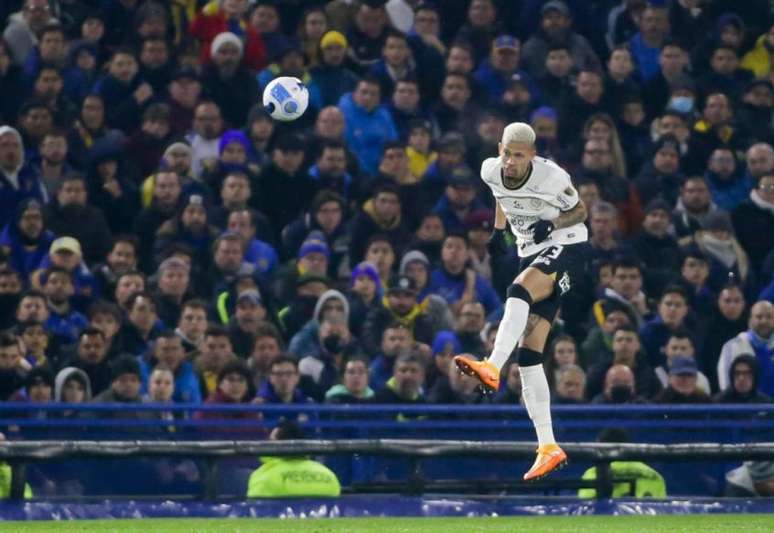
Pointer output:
x,y
63,321
368,126
26,239
332,78
168,351
646,43
18,181
457,283
503,63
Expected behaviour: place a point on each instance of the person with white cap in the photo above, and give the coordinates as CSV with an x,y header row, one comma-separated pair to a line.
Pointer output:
x,y
227,81
536,197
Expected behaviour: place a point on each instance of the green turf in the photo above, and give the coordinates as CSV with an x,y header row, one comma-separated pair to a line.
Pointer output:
x,y
554,524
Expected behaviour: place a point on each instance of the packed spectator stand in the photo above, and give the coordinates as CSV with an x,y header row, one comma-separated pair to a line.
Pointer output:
x,y
164,240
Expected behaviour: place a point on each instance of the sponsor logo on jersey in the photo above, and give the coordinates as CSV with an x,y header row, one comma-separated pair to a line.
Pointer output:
x,y
564,283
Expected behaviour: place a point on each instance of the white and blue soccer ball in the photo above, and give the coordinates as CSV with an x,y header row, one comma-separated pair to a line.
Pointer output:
x,y
285,98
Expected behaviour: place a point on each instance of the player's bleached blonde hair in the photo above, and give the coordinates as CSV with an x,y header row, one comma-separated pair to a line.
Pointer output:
x,y
519,132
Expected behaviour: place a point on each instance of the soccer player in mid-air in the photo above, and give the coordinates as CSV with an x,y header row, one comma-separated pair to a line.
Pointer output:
x,y
536,197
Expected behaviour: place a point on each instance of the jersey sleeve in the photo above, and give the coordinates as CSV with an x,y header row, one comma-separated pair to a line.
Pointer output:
x,y
487,168
566,194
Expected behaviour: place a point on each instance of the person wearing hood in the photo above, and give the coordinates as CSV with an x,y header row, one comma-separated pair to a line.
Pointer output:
x,y
18,180
110,188
307,341
728,319
757,340
71,214
743,377
752,216
71,385
660,175
81,72
334,344
368,125
26,238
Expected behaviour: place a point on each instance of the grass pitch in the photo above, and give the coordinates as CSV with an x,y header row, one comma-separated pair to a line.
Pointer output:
x,y
540,524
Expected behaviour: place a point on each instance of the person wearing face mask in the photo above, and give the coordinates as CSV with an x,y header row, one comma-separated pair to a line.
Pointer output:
x,y
619,387
743,379
336,345
308,341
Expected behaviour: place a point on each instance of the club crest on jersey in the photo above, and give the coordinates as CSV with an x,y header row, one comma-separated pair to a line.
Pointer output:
x,y
537,203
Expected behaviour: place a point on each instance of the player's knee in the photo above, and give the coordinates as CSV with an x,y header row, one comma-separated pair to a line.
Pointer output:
x,y
529,357
517,290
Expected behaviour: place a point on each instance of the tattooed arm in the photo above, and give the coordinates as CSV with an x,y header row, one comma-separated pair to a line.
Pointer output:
x,y
576,215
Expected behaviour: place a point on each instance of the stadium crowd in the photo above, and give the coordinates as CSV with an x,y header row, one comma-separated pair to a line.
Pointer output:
x,y
163,239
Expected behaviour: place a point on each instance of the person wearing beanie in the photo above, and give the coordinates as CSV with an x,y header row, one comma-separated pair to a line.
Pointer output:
x,y
228,80
656,248
313,258
364,294
331,76
661,176
38,387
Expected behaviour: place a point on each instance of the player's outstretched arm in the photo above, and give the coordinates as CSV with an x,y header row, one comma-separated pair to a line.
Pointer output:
x,y
576,215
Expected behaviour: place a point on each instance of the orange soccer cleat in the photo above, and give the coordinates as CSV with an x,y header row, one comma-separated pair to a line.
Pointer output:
x,y
486,372
550,457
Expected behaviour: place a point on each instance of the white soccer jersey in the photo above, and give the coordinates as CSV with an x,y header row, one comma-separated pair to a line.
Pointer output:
x,y
546,193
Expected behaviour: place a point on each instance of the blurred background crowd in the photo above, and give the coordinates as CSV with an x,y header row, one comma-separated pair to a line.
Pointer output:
x,y
164,240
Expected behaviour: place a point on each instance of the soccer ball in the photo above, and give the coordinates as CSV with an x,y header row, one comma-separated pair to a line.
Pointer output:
x,y
285,98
